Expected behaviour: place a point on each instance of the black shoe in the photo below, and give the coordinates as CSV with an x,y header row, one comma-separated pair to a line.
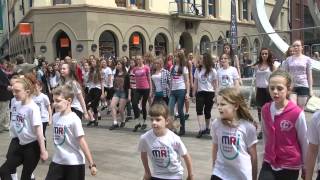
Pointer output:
x,y
186,116
200,133
96,123
90,123
108,112
260,135
122,124
99,118
136,127
206,131
103,108
143,127
114,126
128,118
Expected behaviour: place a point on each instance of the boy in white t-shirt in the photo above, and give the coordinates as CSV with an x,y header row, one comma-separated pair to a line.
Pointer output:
x,y
71,148
164,148
43,102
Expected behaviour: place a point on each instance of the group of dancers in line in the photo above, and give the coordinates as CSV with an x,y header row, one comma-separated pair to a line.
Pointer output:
x,y
289,146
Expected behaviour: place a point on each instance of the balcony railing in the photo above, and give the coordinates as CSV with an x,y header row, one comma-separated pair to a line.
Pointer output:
x,y
186,9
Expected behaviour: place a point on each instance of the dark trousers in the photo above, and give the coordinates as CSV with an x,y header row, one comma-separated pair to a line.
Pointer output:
x,y
65,172
44,128
204,103
137,95
93,99
28,155
214,177
78,113
267,173
155,178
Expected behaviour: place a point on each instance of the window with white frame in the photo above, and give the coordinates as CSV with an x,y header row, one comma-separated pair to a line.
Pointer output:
x,y
212,8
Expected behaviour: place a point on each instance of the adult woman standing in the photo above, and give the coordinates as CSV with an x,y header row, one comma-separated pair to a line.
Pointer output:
x,y
179,88
205,83
299,67
263,69
143,84
234,60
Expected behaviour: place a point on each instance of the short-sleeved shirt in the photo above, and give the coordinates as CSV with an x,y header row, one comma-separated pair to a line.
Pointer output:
x,y
298,67
233,160
314,132
76,90
28,116
141,75
43,102
178,81
14,106
226,77
66,132
164,153
205,81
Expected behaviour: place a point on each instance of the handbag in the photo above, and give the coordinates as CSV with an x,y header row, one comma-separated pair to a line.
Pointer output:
x,y
313,104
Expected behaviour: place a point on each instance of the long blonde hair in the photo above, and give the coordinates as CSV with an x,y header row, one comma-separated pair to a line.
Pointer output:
x,y
233,96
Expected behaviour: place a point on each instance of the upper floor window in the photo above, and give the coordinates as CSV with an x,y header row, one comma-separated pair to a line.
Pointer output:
x,y
30,3
121,3
61,2
212,8
245,9
140,4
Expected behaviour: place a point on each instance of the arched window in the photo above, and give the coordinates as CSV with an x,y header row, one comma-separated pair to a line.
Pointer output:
x,y
136,44
108,44
160,44
204,44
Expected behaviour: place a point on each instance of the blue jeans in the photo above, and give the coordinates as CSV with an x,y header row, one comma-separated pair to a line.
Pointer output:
x,y
178,96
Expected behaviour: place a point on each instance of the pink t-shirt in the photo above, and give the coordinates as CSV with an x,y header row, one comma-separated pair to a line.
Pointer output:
x,y
141,75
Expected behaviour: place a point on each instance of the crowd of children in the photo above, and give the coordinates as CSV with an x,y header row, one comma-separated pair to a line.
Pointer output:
x,y
63,93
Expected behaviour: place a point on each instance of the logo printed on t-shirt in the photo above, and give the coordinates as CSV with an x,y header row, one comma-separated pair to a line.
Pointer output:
x,y
161,156
59,135
286,125
225,80
19,123
230,144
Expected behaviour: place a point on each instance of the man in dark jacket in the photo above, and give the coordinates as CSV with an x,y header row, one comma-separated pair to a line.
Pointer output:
x,y
5,97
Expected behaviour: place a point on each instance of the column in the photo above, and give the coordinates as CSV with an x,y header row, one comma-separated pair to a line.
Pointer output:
x,y
206,8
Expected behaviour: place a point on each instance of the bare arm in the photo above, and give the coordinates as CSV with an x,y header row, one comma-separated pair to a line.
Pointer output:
x,y
310,81
214,153
312,154
236,84
254,161
195,88
188,162
85,148
50,113
40,138
83,105
186,81
144,159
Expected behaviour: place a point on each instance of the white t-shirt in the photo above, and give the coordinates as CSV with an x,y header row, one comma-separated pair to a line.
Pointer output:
x,y
27,117
226,77
15,105
262,77
76,90
205,81
43,102
66,132
108,71
156,79
54,81
164,153
314,132
233,160
178,80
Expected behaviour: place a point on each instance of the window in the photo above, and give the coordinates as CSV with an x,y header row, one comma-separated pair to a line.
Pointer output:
x,y
140,4
245,9
212,7
55,2
121,3
22,6
30,3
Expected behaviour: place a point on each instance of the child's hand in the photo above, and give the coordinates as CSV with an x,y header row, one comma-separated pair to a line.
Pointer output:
x,y
94,171
44,155
190,177
146,176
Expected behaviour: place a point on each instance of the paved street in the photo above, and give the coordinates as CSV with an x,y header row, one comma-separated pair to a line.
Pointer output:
x,y
115,152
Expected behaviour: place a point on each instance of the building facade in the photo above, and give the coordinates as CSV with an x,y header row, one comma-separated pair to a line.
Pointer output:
x,y
79,28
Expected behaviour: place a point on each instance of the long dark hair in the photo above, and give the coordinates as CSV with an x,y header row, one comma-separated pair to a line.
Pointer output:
x,y
231,53
72,72
269,59
182,62
206,63
123,64
95,72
